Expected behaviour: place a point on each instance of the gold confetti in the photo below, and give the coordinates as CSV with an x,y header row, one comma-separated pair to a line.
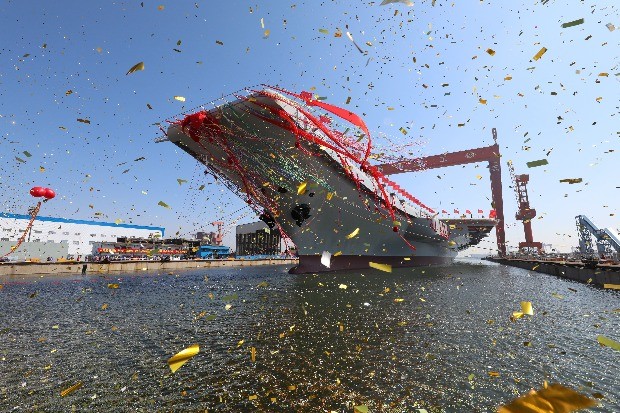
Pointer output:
x,y
342,286
291,387
165,205
324,31
491,52
353,234
301,189
71,389
540,53
176,361
253,354
104,306
482,101
41,169
252,397
608,342
228,306
526,308
266,33
160,7
554,398
181,181
612,286
380,267
83,120
362,408
403,130
179,98
494,374
113,286
135,68
399,300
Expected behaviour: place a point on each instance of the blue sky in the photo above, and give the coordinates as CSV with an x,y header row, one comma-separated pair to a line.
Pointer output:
x,y
68,60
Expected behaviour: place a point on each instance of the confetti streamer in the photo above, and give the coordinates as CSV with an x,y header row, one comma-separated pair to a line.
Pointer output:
x,y
380,267
534,164
608,342
405,2
326,259
526,308
135,68
353,234
540,53
71,389
179,98
573,23
552,399
176,361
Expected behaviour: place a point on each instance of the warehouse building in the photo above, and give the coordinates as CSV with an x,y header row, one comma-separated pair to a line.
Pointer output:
x,y
256,240
79,235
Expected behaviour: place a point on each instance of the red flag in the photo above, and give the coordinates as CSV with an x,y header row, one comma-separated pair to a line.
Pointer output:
x,y
467,211
480,211
456,211
443,211
492,214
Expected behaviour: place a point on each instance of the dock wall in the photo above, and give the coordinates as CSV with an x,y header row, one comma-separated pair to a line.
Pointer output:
x,y
603,274
48,268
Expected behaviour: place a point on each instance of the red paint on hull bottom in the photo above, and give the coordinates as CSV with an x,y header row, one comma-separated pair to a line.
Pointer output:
x,y
312,263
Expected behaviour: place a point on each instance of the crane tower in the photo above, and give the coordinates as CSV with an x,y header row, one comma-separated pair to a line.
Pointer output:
x,y
524,213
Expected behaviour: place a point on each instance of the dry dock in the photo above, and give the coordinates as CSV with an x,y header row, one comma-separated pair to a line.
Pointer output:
x,y
49,268
600,274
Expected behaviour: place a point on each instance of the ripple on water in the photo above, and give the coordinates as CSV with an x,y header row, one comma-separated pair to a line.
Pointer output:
x,y
433,347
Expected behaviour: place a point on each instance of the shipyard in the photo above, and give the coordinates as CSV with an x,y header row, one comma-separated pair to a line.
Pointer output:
x,y
383,207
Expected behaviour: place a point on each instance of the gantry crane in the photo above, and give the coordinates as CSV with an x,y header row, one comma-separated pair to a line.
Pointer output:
x,y
524,213
217,239
488,154
607,240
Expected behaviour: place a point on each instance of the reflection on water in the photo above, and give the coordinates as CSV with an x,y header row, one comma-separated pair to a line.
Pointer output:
x,y
424,338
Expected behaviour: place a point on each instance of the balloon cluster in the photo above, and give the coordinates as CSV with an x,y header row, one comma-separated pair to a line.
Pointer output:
x,y
39,191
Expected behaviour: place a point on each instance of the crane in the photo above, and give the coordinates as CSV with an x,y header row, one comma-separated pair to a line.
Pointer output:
x,y
524,213
488,154
217,239
607,240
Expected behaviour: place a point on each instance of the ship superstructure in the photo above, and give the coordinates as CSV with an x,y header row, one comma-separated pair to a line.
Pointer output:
x,y
315,183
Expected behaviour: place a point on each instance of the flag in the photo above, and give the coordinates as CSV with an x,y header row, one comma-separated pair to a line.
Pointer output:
x,y
456,211
467,211
492,214
443,211
480,211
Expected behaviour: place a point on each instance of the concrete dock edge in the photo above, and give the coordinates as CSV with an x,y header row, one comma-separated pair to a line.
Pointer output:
x,y
600,275
50,268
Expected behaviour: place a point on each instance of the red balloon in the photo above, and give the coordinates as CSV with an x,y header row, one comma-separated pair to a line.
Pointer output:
x,y
37,191
49,193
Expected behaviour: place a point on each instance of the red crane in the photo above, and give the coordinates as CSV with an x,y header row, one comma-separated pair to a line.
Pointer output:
x,y
525,213
488,154
217,239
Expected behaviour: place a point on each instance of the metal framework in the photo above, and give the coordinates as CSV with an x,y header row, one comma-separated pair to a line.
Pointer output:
x,y
217,239
488,154
524,214
607,241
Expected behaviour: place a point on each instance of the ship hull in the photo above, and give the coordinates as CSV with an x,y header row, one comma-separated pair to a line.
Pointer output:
x,y
322,203
312,263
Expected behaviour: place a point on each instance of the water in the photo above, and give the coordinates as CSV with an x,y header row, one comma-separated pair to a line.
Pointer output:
x,y
394,356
